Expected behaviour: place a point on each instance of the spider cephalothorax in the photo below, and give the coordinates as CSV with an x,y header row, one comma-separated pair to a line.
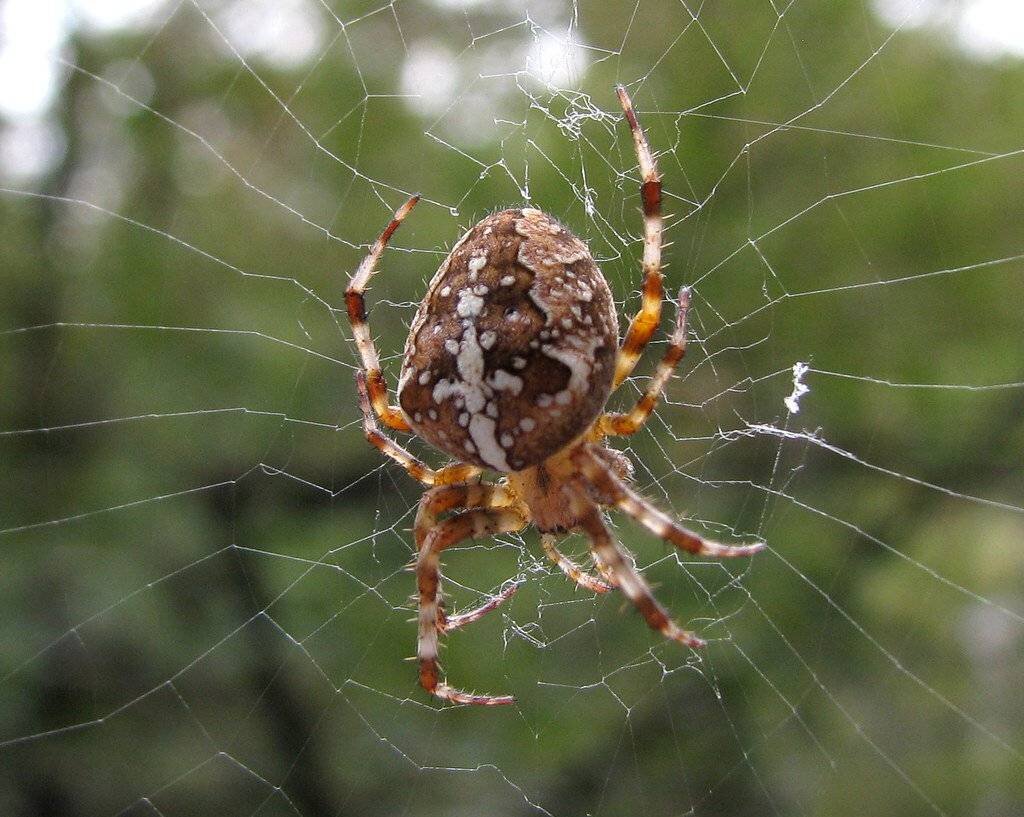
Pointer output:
x,y
508,366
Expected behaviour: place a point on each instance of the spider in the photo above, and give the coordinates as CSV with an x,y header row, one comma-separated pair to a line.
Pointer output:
x,y
509,363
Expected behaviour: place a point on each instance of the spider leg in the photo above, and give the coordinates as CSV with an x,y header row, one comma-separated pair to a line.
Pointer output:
x,y
462,619
570,568
628,579
471,524
645,322
355,303
603,569
632,421
616,492
444,498
458,472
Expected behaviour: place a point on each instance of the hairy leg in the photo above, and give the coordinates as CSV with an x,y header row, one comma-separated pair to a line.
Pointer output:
x,y
471,524
627,578
613,490
459,472
570,568
442,499
632,421
355,303
645,322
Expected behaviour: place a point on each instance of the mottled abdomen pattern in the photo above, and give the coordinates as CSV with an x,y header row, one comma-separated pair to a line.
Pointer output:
x,y
512,352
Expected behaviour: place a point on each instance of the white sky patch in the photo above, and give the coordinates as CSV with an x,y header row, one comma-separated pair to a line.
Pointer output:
x,y
429,77
458,5
284,33
799,389
990,27
112,15
912,13
28,149
556,60
32,33
982,28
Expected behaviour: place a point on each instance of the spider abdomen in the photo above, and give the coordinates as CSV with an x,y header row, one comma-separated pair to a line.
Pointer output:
x,y
512,352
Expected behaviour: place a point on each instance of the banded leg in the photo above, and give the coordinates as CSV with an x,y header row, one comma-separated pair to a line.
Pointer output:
x,y
629,580
632,421
603,569
471,524
645,322
570,568
451,623
616,492
437,501
355,303
444,498
458,472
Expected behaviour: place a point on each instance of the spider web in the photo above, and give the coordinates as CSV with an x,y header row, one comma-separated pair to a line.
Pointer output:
x,y
206,599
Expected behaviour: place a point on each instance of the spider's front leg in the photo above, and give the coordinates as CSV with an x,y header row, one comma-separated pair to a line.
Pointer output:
x,y
471,524
615,492
607,550
446,498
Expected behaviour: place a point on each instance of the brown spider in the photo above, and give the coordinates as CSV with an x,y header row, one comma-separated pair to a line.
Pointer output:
x,y
509,363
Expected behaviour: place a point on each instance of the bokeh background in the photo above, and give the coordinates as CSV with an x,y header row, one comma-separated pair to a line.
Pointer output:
x,y
204,606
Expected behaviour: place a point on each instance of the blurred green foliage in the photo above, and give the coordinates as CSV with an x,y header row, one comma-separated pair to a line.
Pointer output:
x,y
205,609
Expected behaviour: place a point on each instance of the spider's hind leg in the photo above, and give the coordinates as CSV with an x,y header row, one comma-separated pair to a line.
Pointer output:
x,y
632,421
417,469
355,303
645,322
